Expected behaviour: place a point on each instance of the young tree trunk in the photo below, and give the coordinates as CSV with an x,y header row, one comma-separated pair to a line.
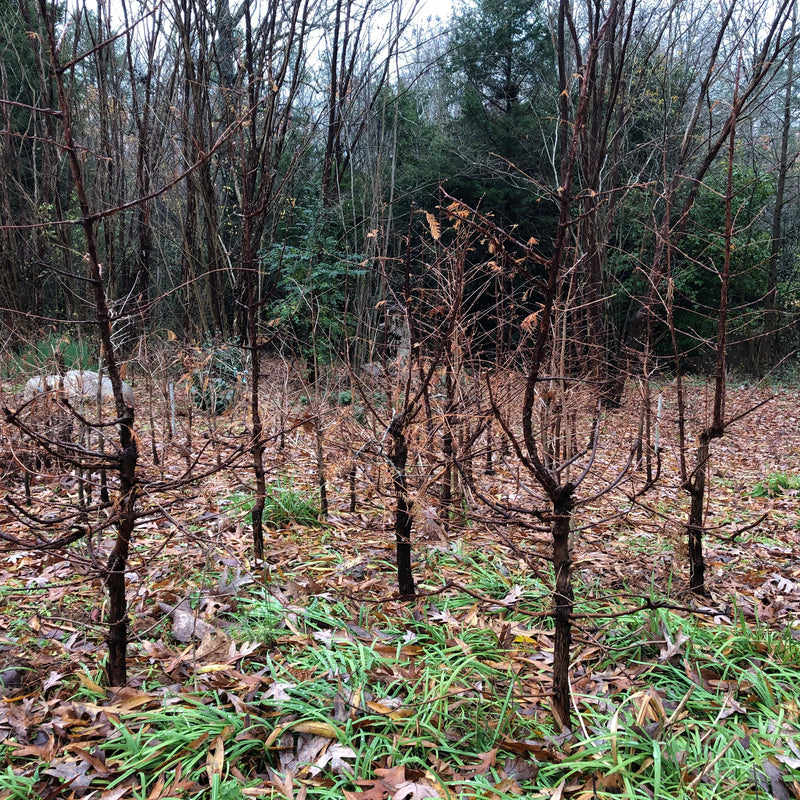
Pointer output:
x,y
402,519
698,481
260,142
330,180
118,560
448,448
257,427
563,601
694,528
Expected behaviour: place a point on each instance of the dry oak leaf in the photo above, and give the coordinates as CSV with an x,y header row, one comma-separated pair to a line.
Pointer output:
x,y
392,783
185,623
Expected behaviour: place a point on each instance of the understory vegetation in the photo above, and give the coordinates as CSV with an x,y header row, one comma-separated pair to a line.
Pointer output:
x,y
304,675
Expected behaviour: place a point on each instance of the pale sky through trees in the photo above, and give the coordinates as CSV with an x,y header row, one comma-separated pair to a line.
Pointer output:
x,y
437,8
433,8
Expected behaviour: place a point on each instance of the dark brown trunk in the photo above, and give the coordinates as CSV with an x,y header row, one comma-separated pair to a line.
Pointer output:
x,y
117,562
489,467
257,430
402,517
563,601
698,481
329,176
694,529
351,477
250,272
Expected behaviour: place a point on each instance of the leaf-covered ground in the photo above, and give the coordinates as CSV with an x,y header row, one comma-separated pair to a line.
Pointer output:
x,y
306,676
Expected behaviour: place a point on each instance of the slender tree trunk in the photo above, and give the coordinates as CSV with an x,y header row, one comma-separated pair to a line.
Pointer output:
x,y
449,423
257,426
563,601
694,528
696,486
402,520
322,481
118,560
330,178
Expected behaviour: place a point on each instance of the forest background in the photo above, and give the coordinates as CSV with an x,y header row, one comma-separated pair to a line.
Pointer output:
x,y
432,325
293,141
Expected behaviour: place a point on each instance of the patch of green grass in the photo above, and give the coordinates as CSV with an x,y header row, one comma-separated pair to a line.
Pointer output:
x,y
434,688
407,691
714,721
666,705
776,484
14,786
151,744
256,620
284,505
91,688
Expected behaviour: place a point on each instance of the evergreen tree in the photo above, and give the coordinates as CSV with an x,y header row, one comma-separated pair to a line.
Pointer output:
x,y
503,83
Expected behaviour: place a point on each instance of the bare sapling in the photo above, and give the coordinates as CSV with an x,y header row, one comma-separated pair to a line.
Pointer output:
x,y
546,449
424,338
259,147
85,385
556,440
696,481
127,454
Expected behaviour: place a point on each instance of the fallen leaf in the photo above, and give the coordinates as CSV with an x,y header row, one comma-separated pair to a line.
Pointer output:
x,y
215,758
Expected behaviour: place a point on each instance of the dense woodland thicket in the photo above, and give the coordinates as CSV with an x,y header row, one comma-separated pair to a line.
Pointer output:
x,y
290,145
477,262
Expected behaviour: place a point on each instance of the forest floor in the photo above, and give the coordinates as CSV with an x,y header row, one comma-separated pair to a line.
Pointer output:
x,y
305,676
